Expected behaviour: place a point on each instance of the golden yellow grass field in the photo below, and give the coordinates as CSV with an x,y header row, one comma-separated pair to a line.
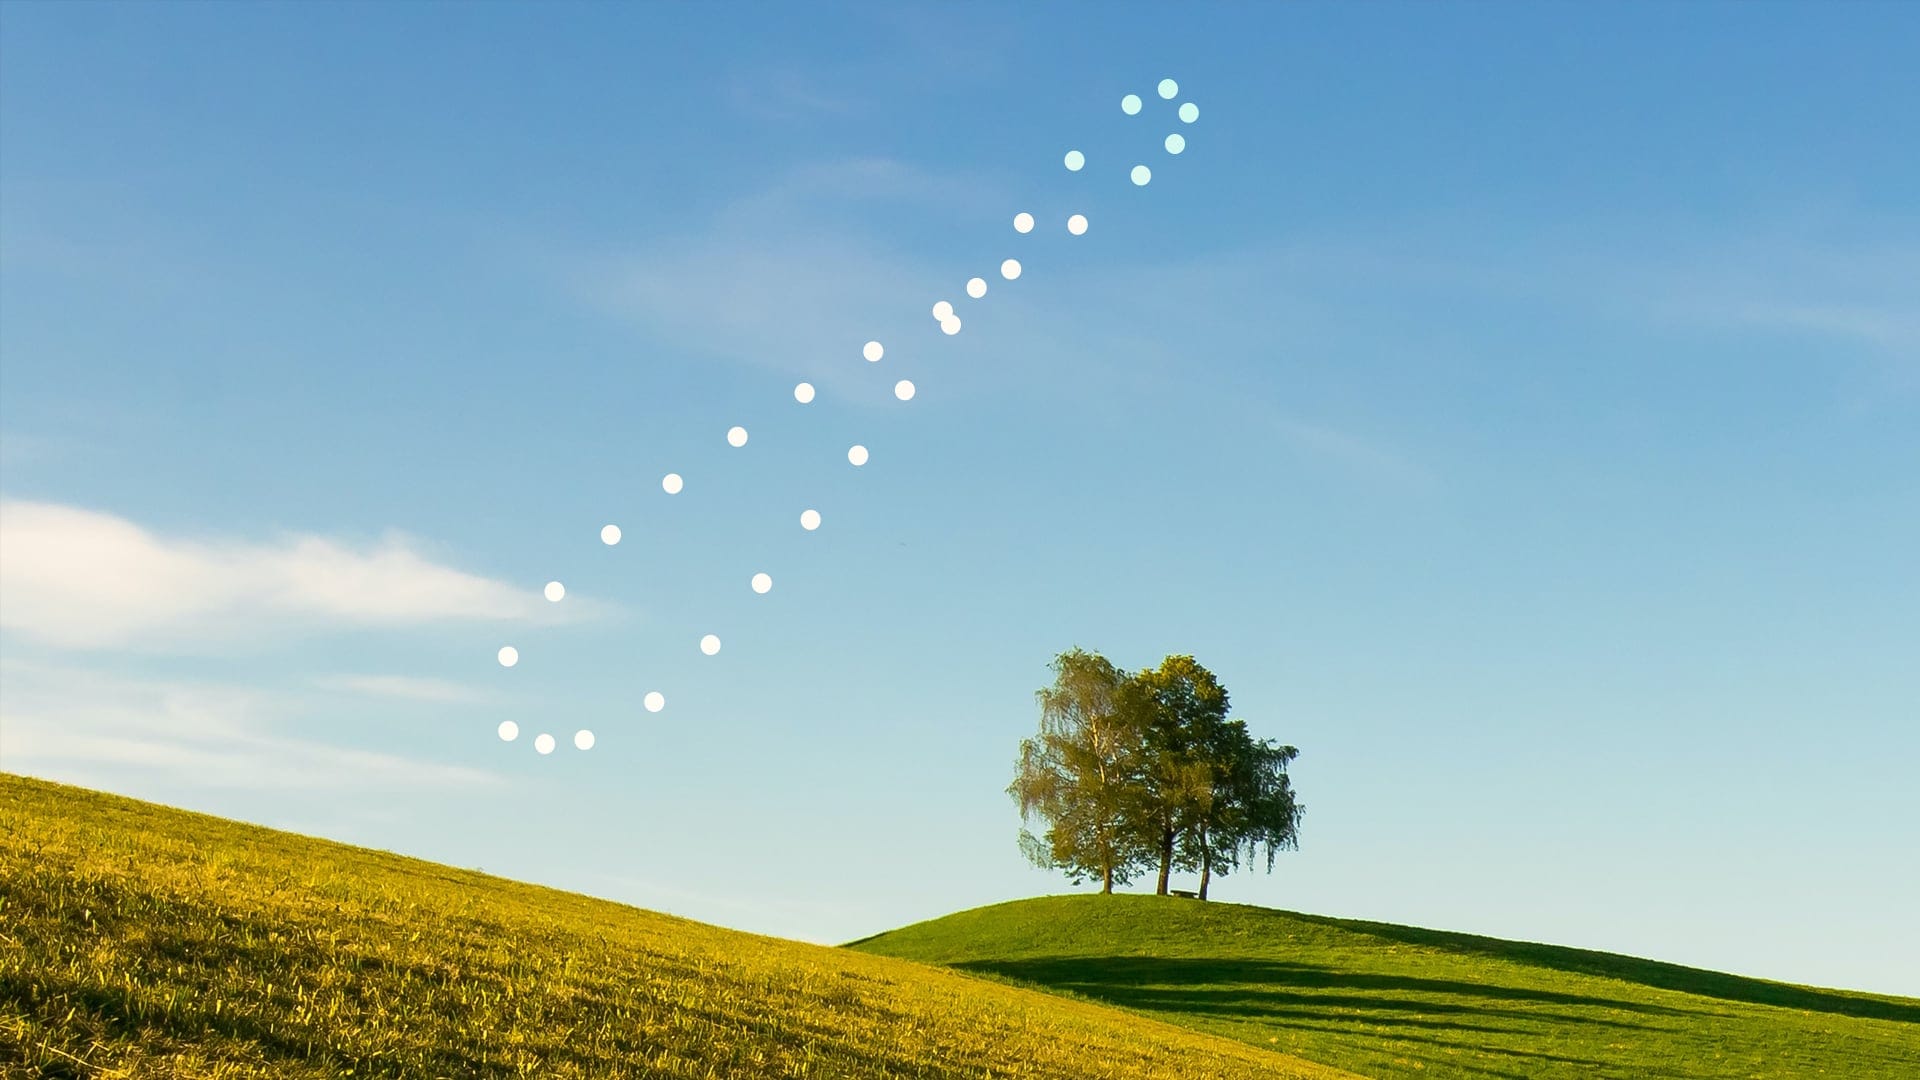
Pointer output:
x,y
142,941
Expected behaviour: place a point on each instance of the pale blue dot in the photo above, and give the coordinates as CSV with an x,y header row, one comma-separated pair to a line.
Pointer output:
x,y
1168,88
1075,160
1189,113
1130,104
1141,174
1176,143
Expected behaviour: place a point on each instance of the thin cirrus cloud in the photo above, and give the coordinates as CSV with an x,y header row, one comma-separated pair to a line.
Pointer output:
x,y
707,291
1885,327
785,94
748,285
137,735
404,688
83,579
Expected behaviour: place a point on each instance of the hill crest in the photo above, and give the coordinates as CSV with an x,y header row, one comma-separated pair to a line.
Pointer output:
x,y
1389,1000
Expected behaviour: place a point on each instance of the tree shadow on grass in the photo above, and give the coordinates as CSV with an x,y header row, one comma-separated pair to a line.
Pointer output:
x,y
1651,973
1638,1070
1241,1003
1485,1018
1247,989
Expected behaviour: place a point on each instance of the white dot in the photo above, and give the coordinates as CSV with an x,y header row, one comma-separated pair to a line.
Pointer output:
x,y
509,656
873,351
803,393
583,739
1010,269
762,583
1077,224
976,287
1130,104
951,326
1076,161
509,731
543,743
857,455
1176,142
1141,174
710,645
903,389
736,436
671,483
556,591
809,519
610,535
654,701
1168,88
943,310
1189,112
1023,223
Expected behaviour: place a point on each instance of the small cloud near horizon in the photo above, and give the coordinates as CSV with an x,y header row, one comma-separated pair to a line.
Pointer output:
x,y
128,734
77,578
404,688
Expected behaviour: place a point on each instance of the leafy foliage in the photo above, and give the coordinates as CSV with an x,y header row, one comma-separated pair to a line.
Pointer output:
x,y
1079,774
1254,812
1184,709
1146,770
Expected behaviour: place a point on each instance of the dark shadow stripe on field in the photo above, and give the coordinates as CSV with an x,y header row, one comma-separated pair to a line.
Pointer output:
x,y
1263,1001
1638,1070
1123,978
1653,973
1371,1016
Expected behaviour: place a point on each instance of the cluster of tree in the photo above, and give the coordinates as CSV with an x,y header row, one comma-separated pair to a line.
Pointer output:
x,y
1130,771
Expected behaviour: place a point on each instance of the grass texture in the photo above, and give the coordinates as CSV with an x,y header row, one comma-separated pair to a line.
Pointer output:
x,y
1395,1001
141,941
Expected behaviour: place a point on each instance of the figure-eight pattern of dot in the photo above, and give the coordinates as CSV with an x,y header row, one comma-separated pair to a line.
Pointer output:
x,y
904,390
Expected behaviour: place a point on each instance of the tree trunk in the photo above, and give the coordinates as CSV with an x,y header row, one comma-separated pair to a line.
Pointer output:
x,y
1206,864
1106,880
1166,860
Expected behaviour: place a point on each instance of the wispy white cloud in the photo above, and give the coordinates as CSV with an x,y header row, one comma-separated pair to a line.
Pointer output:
x,y
1853,293
785,94
79,578
1357,454
17,449
104,730
1847,286
782,270
766,306
764,284
795,202
404,688
1885,327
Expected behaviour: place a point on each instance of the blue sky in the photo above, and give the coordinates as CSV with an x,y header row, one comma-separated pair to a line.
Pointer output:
x,y
1517,407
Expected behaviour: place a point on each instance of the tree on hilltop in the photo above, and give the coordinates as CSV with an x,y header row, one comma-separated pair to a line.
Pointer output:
x,y
1136,771
1250,808
1079,774
1182,711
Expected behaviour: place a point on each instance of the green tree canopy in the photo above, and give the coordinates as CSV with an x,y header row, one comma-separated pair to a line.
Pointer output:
x,y
1182,710
1078,775
1250,808
1136,771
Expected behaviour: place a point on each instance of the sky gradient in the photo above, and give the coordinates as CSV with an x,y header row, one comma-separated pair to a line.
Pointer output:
x,y
1518,408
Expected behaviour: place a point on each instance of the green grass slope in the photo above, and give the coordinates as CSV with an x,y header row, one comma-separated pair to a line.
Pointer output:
x,y
1395,1001
139,941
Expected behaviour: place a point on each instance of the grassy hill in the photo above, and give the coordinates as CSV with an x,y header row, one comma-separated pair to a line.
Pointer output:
x,y
140,941
1395,1001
